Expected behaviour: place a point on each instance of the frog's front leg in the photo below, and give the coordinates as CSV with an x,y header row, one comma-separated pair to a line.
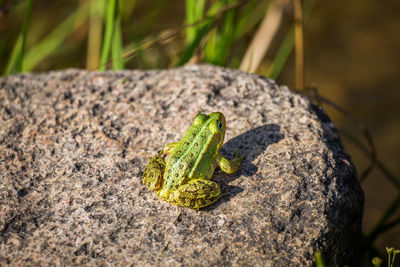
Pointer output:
x,y
197,194
154,172
168,148
229,166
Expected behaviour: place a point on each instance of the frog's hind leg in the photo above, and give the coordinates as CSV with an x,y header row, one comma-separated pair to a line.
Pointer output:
x,y
197,194
153,175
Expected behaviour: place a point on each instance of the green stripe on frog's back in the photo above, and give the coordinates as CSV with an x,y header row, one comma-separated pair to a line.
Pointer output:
x,y
183,161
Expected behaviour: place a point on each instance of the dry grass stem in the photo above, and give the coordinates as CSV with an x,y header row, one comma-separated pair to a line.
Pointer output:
x,y
264,36
299,45
94,35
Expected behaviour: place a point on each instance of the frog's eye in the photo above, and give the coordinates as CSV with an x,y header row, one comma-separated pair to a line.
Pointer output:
x,y
219,125
216,126
200,118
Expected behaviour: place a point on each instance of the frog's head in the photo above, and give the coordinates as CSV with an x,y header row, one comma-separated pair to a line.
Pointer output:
x,y
216,125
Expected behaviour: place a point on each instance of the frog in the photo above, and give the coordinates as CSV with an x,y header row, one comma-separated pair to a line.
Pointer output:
x,y
184,179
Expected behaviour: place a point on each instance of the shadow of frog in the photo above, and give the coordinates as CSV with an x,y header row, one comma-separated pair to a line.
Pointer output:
x,y
251,143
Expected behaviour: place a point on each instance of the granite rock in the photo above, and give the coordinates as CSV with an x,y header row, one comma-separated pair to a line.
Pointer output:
x,y
74,144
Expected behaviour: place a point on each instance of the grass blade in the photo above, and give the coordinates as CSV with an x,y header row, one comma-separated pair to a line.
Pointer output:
x,y
221,41
386,216
10,68
212,52
250,17
54,39
319,261
126,9
17,55
287,45
194,12
204,28
94,34
117,48
264,36
299,45
188,53
282,55
108,35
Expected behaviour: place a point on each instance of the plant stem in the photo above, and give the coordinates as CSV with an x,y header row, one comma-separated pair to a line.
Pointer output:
x,y
94,34
108,35
299,45
17,56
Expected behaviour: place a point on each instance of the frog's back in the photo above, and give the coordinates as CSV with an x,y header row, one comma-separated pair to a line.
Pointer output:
x,y
189,158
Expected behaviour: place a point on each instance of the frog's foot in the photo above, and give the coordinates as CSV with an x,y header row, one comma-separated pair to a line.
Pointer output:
x,y
197,194
229,166
153,175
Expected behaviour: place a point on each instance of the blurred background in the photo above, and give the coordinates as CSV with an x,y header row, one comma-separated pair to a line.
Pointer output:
x,y
351,52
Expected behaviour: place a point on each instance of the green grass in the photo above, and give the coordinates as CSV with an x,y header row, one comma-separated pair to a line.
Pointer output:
x,y
18,53
55,40
117,45
194,12
319,261
377,262
111,17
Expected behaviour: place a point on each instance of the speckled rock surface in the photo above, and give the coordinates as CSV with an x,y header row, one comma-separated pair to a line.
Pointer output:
x,y
73,146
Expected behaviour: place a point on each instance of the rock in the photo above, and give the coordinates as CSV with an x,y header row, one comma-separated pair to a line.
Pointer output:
x,y
74,145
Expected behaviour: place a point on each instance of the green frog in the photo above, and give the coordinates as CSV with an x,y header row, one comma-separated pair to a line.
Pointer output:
x,y
184,179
